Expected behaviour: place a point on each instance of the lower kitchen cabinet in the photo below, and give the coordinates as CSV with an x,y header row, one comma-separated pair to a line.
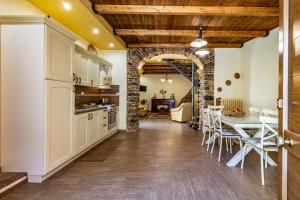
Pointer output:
x,y
90,128
95,124
81,137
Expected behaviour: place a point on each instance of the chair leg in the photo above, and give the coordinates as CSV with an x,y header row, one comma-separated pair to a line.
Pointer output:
x,y
266,160
213,145
262,167
243,156
208,141
241,143
230,143
203,139
220,149
226,142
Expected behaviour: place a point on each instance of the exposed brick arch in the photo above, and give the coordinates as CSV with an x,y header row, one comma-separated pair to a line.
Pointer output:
x,y
137,56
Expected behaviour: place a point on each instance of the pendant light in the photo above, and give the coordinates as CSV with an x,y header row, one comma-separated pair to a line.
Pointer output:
x,y
199,42
164,79
202,52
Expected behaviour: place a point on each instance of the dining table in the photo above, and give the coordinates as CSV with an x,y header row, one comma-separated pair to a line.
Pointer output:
x,y
240,124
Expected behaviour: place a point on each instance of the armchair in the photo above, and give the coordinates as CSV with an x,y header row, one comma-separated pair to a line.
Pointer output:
x,y
143,108
183,113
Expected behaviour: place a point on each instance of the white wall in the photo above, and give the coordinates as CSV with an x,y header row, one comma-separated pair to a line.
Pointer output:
x,y
180,87
119,73
260,69
258,64
227,63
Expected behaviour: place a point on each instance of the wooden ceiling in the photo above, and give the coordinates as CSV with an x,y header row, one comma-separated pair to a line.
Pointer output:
x,y
175,23
158,68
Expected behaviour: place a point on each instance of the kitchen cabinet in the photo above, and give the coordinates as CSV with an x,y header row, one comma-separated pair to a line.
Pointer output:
x,y
95,124
90,128
95,73
59,55
89,68
81,138
59,118
37,99
82,70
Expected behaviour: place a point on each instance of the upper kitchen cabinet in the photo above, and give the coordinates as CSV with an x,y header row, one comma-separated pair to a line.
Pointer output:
x,y
91,70
59,55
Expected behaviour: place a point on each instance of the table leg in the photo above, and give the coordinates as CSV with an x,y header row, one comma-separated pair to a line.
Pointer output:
x,y
210,141
238,157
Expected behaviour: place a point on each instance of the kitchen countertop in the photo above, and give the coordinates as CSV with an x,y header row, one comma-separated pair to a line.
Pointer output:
x,y
91,109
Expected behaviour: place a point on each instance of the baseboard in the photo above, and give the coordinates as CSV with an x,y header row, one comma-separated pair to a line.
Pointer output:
x,y
41,178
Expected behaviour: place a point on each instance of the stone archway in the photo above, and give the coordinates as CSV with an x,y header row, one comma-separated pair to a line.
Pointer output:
x,y
137,57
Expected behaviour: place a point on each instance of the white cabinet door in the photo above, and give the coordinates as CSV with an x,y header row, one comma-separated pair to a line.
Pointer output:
x,y
95,127
59,56
81,138
59,120
95,73
84,71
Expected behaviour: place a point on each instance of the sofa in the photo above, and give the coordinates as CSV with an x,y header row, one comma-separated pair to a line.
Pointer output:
x,y
183,113
143,108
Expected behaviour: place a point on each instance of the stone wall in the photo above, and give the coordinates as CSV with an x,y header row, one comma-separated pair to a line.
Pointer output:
x,y
138,56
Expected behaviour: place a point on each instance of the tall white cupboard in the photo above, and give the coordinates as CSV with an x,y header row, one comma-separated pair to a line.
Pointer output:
x,y
37,96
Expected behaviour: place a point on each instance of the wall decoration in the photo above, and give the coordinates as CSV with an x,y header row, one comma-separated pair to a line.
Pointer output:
x,y
228,82
220,89
163,92
92,49
237,76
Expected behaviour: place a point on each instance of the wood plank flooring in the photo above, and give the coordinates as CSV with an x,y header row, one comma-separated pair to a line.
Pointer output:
x,y
165,160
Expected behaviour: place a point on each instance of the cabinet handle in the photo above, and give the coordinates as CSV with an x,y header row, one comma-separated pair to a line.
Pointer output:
x,y
74,76
76,79
104,117
89,116
79,80
92,116
104,125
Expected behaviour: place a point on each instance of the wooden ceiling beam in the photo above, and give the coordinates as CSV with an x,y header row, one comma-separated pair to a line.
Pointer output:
x,y
189,33
160,72
186,10
183,45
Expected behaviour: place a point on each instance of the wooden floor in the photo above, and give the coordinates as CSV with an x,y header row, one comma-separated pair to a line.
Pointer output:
x,y
164,161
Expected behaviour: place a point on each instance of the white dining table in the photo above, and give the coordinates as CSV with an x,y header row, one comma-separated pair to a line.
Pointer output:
x,y
239,124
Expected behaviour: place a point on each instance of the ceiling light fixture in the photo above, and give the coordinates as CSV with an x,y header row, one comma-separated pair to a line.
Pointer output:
x,y
202,52
164,79
95,31
199,42
67,6
111,45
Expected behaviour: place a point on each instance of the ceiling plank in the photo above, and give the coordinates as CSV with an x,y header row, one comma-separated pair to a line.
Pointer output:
x,y
183,45
191,33
187,10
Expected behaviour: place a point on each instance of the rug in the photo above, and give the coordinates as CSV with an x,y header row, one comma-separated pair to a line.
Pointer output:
x,y
159,116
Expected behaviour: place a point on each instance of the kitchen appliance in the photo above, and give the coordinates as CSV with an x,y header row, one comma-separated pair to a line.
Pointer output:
x,y
112,117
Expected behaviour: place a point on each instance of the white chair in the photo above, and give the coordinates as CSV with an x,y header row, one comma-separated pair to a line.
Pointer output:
x,y
216,108
220,133
207,126
265,143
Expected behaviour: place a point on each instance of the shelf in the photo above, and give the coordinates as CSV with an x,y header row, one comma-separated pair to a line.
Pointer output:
x,y
97,95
